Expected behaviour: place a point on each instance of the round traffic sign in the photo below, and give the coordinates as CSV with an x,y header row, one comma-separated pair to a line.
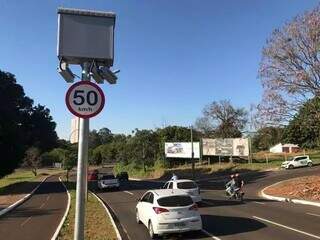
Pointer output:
x,y
85,99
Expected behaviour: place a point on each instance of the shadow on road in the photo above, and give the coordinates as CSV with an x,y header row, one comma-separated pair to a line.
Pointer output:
x,y
226,225
229,202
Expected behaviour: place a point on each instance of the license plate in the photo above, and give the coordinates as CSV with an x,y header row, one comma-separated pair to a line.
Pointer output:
x,y
180,224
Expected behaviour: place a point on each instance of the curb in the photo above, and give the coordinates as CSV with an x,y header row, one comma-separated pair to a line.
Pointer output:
x,y
55,235
22,200
110,216
284,199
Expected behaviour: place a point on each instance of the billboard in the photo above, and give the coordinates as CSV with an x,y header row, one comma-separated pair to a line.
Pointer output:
x,y
225,147
181,149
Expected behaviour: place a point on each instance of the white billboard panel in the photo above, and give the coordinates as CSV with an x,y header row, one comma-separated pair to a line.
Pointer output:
x,y
181,149
225,147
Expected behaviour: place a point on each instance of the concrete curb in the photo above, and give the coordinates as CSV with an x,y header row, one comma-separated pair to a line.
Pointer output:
x,y
55,235
284,199
110,216
22,200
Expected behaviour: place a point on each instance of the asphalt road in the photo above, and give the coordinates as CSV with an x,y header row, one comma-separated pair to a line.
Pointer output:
x,y
254,219
38,217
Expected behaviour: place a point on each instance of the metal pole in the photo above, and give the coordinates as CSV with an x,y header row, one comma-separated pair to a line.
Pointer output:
x,y
82,169
192,154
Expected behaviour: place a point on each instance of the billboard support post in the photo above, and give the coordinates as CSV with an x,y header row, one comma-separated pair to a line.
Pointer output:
x,y
81,188
192,154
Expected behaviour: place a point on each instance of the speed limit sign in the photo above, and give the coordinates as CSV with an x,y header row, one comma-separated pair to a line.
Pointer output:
x,y
85,99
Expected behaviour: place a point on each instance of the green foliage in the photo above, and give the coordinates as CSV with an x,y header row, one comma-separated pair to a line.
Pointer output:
x,y
304,128
267,137
22,125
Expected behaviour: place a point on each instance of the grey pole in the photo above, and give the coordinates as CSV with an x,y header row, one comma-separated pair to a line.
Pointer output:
x,y
82,169
192,154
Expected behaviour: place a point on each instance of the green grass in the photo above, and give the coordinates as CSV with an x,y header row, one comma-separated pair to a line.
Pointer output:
x,y
23,175
98,225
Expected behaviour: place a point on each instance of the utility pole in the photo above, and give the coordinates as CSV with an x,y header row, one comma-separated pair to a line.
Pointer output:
x,y
192,154
82,168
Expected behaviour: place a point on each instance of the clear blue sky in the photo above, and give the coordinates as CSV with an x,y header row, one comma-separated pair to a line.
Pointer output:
x,y
175,56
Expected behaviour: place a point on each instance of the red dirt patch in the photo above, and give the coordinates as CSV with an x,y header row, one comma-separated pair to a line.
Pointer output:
x,y
306,188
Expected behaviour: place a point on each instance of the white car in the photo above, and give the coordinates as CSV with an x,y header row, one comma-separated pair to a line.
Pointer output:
x,y
168,211
188,186
297,161
108,181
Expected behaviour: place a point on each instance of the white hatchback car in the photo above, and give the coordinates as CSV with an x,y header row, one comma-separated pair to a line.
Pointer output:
x,y
168,211
297,161
188,186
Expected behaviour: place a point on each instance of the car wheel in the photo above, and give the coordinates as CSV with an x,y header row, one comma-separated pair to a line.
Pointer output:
x,y
151,232
137,217
290,166
309,164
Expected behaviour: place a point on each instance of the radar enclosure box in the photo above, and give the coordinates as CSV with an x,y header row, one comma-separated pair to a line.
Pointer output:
x,y
85,36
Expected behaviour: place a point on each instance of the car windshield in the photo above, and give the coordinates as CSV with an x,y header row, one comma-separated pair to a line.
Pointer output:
x,y
187,185
175,201
105,177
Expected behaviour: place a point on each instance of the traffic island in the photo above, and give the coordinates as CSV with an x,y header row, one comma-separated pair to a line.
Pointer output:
x,y
302,190
98,224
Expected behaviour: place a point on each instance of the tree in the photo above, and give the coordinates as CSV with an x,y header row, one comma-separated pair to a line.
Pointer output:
x,y
304,128
94,139
267,137
223,120
68,162
105,135
40,128
15,106
32,159
290,68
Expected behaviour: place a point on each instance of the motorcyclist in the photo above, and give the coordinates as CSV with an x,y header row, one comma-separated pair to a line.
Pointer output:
x,y
174,177
239,183
230,186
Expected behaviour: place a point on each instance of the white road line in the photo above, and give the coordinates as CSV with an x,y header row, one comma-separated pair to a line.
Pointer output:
x,y
42,205
128,192
210,235
313,214
259,202
27,220
290,228
48,197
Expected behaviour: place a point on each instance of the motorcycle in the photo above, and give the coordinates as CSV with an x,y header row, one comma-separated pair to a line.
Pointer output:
x,y
236,193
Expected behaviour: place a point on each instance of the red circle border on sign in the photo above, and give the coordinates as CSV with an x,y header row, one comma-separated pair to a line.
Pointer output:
x,y
85,83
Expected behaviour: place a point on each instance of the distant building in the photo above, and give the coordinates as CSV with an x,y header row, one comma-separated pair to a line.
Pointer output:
x,y
285,148
74,134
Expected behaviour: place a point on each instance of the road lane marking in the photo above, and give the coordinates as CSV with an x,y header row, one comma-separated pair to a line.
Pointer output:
x,y
48,197
210,235
259,202
42,205
27,220
313,214
284,226
128,192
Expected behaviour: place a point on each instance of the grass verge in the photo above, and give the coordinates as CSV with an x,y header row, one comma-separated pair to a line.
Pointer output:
x,y
98,226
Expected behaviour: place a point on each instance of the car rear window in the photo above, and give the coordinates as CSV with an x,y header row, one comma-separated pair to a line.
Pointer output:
x,y
105,177
186,185
175,201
